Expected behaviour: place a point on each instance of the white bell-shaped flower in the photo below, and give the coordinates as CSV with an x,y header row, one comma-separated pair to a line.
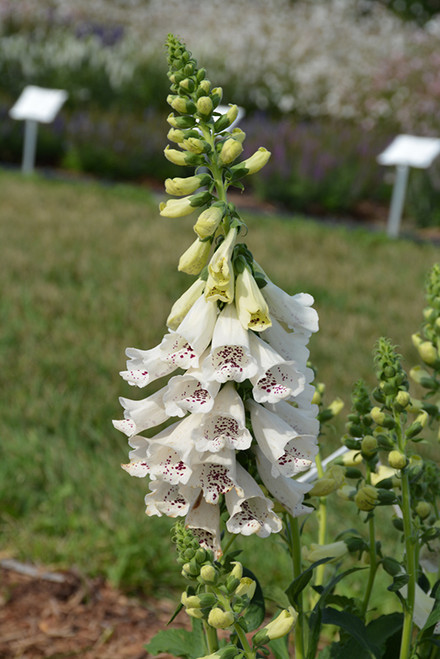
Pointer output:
x,y
169,500
294,310
214,473
250,512
184,346
303,421
225,425
145,366
290,345
204,521
186,393
230,357
276,378
287,491
139,415
163,463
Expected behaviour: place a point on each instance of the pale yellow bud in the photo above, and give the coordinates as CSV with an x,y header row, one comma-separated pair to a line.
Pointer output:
x,y
175,156
194,144
184,186
220,619
369,445
238,135
333,479
422,418
423,509
194,613
382,472
176,135
256,161
205,85
366,498
204,106
246,588
181,307
336,406
220,283
176,207
237,570
396,460
403,398
278,628
208,574
230,150
418,374
427,352
377,416
208,221
252,308
195,258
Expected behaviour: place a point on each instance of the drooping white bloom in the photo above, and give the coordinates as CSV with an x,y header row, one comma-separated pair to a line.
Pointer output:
x,y
184,346
225,425
423,605
164,463
251,512
139,415
215,474
303,421
294,310
145,366
181,307
287,491
276,378
287,452
204,521
169,500
290,345
230,357
186,393
176,437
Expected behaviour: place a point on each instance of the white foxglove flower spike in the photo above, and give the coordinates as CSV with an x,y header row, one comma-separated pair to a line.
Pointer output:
x,y
230,357
184,346
225,425
287,491
252,512
276,378
215,474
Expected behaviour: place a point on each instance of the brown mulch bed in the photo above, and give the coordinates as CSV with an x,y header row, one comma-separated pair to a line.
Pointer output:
x,y
62,614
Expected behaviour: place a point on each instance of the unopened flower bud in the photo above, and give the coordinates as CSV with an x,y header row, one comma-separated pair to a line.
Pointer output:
x,y
246,588
181,122
391,566
377,416
232,583
205,86
195,258
427,352
227,119
278,628
366,498
422,377
176,207
333,479
208,574
194,613
204,106
186,186
237,570
346,492
195,145
183,158
239,135
220,619
396,459
254,163
369,445
230,150
176,135
422,418
182,105
316,552
352,458
423,509
209,219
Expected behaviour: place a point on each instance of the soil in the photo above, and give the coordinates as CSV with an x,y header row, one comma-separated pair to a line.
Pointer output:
x,y
63,614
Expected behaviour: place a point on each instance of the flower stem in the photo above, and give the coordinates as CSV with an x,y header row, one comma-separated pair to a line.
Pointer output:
x,y
211,637
294,542
405,648
248,652
373,564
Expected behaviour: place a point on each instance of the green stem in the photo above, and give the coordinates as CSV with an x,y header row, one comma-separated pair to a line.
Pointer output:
x,y
211,637
322,517
373,564
405,648
294,542
248,652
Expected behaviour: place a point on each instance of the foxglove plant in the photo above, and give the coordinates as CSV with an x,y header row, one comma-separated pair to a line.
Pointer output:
x,y
239,430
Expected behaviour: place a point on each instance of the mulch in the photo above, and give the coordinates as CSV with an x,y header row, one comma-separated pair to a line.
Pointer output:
x,y
63,614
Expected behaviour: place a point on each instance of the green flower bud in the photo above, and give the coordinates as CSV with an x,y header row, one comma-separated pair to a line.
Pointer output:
x,y
377,416
227,119
232,583
205,86
183,158
182,105
385,497
333,479
396,459
176,135
204,106
369,445
366,498
216,95
208,574
403,399
185,186
220,619
181,122
391,566
196,145
398,523
423,509
252,164
187,84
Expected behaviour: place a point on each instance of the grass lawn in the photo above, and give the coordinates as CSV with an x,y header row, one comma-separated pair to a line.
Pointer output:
x,y
87,270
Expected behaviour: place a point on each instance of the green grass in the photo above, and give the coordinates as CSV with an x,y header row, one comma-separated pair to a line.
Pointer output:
x,y
87,270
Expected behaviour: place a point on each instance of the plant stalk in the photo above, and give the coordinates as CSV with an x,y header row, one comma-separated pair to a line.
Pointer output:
x,y
294,543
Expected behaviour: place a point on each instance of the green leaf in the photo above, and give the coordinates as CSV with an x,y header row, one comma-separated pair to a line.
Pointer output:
x,y
353,625
433,617
256,610
298,584
385,632
179,642
279,648
176,612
